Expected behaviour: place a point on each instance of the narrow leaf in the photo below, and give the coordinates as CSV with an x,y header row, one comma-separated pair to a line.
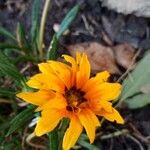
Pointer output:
x,y
21,119
53,140
7,68
9,46
6,92
35,24
21,38
67,20
52,51
85,144
6,33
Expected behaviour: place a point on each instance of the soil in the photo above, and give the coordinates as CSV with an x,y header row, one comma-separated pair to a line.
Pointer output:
x,y
91,21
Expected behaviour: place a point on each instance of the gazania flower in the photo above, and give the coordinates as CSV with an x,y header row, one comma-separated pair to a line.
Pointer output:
x,y
66,90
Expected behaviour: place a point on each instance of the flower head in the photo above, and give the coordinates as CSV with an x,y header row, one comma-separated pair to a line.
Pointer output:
x,y
66,90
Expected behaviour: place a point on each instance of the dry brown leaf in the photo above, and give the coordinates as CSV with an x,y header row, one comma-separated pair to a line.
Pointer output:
x,y
124,54
101,57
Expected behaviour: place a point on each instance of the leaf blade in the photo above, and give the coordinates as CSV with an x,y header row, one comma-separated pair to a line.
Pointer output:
x,y
138,78
21,119
138,101
6,33
67,20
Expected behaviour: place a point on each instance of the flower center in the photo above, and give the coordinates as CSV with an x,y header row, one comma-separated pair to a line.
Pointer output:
x,y
75,98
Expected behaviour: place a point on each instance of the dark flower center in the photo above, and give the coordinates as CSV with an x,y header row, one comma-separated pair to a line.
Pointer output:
x,y
75,98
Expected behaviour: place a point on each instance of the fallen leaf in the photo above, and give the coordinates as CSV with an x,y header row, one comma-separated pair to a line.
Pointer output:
x,y
101,57
124,54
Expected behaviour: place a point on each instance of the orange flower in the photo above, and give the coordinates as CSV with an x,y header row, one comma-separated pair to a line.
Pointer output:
x,y
66,90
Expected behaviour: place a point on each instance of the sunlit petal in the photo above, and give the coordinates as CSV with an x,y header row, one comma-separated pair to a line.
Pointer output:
x,y
113,116
48,121
72,134
59,102
63,72
84,72
37,98
98,79
89,120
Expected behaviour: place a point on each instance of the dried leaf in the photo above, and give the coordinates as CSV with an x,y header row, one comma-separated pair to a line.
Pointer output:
x,y
124,54
101,57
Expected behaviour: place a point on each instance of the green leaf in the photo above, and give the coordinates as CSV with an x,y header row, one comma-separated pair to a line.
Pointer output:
x,y
7,92
9,46
6,33
139,77
7,68
35,24
25,59
53,140
21,38
87,145
67,21
84,143
21,119
138,101
52,51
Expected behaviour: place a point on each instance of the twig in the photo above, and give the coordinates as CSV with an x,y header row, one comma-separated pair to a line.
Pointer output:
x,y
42,27
138,134
136,141
35,145
2,100
115,134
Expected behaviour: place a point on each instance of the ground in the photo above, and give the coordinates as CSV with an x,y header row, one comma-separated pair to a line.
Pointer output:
x,y
89,25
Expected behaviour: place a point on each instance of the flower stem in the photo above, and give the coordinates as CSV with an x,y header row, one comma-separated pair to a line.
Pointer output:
x,y
42,27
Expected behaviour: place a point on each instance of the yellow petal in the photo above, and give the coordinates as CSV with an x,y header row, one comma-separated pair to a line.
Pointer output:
x,y
89,120
72,134
97,105
78,57
46,81
59,102
98,79
113,116
37,98
84,71
71,60
37,81
45,68
73,63
48,121
63,72
105,91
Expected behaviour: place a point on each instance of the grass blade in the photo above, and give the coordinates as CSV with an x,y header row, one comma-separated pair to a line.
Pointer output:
x,y
67,20
6,33
52,51
35,24
7,68
7,92
21,119
9,46
21,38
